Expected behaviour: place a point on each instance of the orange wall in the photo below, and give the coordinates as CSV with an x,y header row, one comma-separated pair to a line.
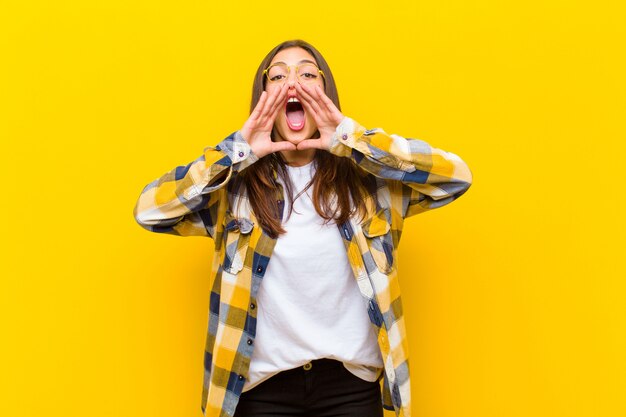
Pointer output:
x,y
514,294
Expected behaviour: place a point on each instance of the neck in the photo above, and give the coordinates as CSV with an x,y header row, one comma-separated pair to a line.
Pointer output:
x,y
298,158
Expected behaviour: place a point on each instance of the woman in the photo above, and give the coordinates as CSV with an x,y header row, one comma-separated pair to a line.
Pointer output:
x,y
312,332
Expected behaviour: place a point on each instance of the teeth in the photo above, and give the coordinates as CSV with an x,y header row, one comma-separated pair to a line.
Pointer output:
x,y
293,100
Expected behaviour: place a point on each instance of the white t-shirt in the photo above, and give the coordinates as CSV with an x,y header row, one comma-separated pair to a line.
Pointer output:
x,y
309,304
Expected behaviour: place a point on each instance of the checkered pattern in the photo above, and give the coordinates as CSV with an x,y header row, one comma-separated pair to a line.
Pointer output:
x,y
407,176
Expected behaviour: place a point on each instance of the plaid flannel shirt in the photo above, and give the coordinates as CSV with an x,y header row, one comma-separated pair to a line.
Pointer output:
x,y
406,177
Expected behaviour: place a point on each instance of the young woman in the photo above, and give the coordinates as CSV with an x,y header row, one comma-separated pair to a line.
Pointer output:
x,y
306,209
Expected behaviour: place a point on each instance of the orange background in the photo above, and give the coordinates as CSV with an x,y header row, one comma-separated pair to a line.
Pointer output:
x,y
514,294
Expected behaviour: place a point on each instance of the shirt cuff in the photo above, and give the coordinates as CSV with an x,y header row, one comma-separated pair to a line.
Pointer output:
x,y
344,138
238,150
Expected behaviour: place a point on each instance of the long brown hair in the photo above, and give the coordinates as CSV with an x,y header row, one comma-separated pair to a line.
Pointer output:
x,y
338,183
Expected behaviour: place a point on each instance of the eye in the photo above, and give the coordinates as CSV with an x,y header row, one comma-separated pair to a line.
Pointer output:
x,y
277,77
309,75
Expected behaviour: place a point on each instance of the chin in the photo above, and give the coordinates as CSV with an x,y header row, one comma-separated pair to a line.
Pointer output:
x,y
296,137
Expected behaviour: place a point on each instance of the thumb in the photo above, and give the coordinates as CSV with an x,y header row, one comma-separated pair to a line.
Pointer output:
x,y
310,144
283,146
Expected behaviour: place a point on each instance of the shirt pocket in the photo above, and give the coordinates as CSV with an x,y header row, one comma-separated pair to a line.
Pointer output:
x,y
237,233
377,231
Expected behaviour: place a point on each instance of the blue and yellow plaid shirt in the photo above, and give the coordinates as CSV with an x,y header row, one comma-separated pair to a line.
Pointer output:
x,y
406,177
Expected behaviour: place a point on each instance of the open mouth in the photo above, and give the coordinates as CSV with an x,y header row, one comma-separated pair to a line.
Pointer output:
x,y
295,114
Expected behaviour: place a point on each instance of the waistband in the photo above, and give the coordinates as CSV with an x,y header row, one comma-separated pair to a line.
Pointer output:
x,y
318,364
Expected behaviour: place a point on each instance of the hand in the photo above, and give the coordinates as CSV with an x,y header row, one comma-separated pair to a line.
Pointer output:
x,y
326,115
257,129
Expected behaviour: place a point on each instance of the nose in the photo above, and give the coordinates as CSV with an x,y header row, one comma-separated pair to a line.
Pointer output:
x,y
292,79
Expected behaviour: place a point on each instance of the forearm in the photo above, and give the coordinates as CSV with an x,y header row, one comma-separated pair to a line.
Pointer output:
x,y
183,200
431,172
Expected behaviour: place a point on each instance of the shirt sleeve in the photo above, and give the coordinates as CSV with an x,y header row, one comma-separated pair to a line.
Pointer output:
x,y
185,200
430,177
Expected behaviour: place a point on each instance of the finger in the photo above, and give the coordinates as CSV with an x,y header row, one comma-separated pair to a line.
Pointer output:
x,y
278,97
278,105
280,101
334,114
283,146
273,94
308,100
259,106
306,94
325,100
310,110
268,105
305,98
310,144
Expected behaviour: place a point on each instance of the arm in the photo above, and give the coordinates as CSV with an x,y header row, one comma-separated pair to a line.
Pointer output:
x,y
431,177
185,200
428,177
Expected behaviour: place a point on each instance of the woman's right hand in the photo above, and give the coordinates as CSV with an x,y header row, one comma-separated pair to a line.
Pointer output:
x,y
257,129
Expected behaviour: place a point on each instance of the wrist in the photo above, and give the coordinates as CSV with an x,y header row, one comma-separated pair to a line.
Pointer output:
x,y
342,139
257,151
238,150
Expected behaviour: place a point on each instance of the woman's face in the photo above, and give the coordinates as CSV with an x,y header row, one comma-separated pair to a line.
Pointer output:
x,y
293,123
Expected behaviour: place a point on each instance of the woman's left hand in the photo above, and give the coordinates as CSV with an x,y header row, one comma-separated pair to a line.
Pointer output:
x,y
326,115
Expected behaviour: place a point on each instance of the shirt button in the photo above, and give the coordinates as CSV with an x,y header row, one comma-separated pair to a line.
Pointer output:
x,y
241,154
344,136
252,306
259,269
249,341
240,377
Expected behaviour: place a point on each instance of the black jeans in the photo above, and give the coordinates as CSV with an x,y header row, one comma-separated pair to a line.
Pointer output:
x,y
327,389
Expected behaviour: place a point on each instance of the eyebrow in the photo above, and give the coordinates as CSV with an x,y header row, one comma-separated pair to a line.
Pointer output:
x,y
301,62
